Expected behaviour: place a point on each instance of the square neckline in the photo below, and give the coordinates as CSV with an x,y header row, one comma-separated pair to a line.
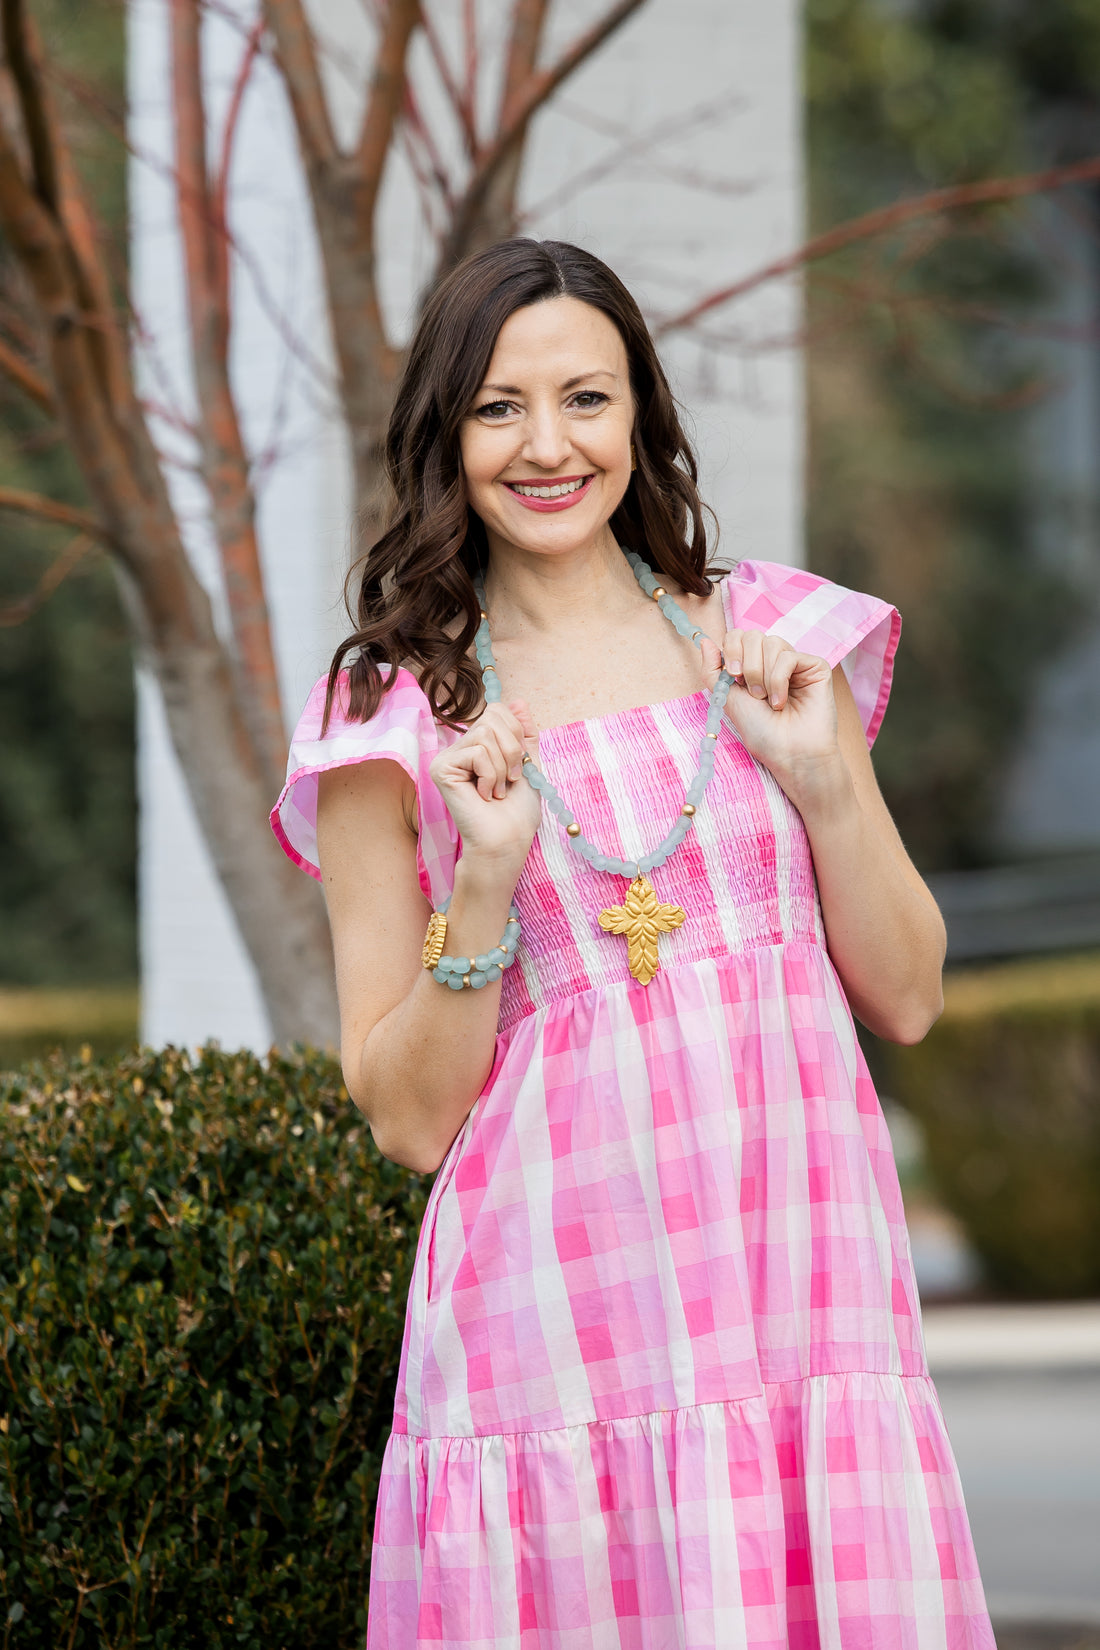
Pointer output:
x,y
649,704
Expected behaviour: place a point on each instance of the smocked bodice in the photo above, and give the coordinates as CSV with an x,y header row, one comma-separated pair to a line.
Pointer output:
x,y
743,875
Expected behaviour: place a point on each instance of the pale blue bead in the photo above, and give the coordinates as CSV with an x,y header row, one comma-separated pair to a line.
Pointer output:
x,y
441,975
497,954
446,964
455,981
493,973
508,944
481,962
461,965
478,978
509,960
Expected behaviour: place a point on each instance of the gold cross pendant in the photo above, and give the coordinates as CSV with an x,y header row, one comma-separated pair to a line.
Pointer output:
x,y
641,919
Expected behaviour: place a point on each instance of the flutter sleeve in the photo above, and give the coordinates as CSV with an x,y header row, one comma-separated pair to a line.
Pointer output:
x,y
403,731
841,626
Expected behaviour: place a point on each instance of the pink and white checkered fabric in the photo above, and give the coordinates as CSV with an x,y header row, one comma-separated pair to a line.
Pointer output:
x,y
662,1382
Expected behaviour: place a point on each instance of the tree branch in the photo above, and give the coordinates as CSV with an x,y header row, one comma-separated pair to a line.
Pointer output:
x,y
384,104
233,115
18,612
884,219
225,462
21,373
460,103
41,508
297,52
469,228
20,55
524,40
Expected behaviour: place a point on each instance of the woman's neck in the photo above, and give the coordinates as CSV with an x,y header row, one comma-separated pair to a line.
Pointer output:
x,y
540,593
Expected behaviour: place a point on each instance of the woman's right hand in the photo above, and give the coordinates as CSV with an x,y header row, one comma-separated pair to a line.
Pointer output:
x,y
481,780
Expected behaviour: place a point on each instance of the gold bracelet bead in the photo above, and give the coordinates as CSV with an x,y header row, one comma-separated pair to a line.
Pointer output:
x,y
434,940
688,810
659,592
573,830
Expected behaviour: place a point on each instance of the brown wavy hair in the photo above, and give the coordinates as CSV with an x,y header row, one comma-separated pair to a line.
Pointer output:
x,y
418,578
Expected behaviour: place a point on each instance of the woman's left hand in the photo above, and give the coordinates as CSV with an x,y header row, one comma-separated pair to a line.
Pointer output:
x,y
781,703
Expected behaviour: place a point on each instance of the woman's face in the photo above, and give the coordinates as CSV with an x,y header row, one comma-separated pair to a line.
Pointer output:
x,y
554,415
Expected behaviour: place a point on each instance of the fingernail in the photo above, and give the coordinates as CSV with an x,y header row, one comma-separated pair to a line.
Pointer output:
x,y
757,690
775,701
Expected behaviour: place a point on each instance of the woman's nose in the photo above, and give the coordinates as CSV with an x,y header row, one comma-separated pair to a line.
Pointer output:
x,y
548,444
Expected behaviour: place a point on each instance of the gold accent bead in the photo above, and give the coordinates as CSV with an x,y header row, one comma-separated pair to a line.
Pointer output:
x,y
527,757
573,830
484,615
466,979
688,809
434,940
659,592
486,668
712,736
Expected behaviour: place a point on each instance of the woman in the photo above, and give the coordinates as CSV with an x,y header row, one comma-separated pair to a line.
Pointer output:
x,y
662,1381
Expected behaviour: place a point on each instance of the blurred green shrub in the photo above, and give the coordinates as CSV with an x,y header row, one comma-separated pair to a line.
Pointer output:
x,y
1007,1090
202,1289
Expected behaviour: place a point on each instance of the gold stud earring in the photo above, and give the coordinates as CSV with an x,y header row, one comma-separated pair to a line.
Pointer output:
x,y
633,457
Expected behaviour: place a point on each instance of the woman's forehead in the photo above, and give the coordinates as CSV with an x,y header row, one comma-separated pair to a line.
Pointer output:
x,y
561,337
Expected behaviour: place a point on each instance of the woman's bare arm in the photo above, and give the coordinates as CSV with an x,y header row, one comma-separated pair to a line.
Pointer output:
x,y
886,936
415,1054
885,933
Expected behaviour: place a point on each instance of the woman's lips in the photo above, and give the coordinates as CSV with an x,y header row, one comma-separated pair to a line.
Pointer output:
x,y
548,504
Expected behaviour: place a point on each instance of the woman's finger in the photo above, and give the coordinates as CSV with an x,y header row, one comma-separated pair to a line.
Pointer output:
x,y
780,663
483,767
712,659
528,728
752,663
733,647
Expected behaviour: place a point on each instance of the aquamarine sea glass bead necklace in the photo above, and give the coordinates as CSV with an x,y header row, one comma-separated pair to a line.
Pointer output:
x,y
641,917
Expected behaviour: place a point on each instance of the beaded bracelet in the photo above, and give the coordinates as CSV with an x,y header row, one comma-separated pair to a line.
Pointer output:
x,y
474,972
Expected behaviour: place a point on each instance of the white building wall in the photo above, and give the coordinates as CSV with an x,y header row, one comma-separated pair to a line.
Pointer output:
x,y
674,154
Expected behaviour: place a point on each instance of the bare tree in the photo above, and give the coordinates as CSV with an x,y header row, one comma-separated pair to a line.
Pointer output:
x,y
222,695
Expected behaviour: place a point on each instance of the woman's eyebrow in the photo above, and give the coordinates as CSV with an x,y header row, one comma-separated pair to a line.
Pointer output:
x,y
570,383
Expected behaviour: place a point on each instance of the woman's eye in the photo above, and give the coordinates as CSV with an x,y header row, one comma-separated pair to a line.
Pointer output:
x,y
587,399
495,409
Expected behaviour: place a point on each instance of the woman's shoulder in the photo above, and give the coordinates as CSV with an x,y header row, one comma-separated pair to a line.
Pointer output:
x,y
402,730
816,615
401,706
800,605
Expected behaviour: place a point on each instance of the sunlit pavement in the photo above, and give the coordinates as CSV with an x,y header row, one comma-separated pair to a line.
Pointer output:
x,y
1020,1388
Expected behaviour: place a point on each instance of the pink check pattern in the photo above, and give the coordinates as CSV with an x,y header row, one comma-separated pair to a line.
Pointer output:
x,y
662,1382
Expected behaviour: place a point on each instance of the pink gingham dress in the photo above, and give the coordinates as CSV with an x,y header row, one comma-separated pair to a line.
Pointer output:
x,y
662,1384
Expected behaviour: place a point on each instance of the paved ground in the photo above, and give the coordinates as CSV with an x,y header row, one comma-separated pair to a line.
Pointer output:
x,y
1020,1389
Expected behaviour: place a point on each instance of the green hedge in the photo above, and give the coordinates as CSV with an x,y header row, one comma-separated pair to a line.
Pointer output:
x,y
1007,1090
202,1288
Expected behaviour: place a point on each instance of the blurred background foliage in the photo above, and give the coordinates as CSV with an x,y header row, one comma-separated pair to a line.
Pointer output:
x,y
67,809
924,374
926,370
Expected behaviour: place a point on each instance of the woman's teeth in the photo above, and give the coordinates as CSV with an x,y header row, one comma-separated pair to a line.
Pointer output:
x,y
557,491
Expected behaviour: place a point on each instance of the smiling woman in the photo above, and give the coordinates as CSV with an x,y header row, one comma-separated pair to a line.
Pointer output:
x,y
662,1380
468,371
